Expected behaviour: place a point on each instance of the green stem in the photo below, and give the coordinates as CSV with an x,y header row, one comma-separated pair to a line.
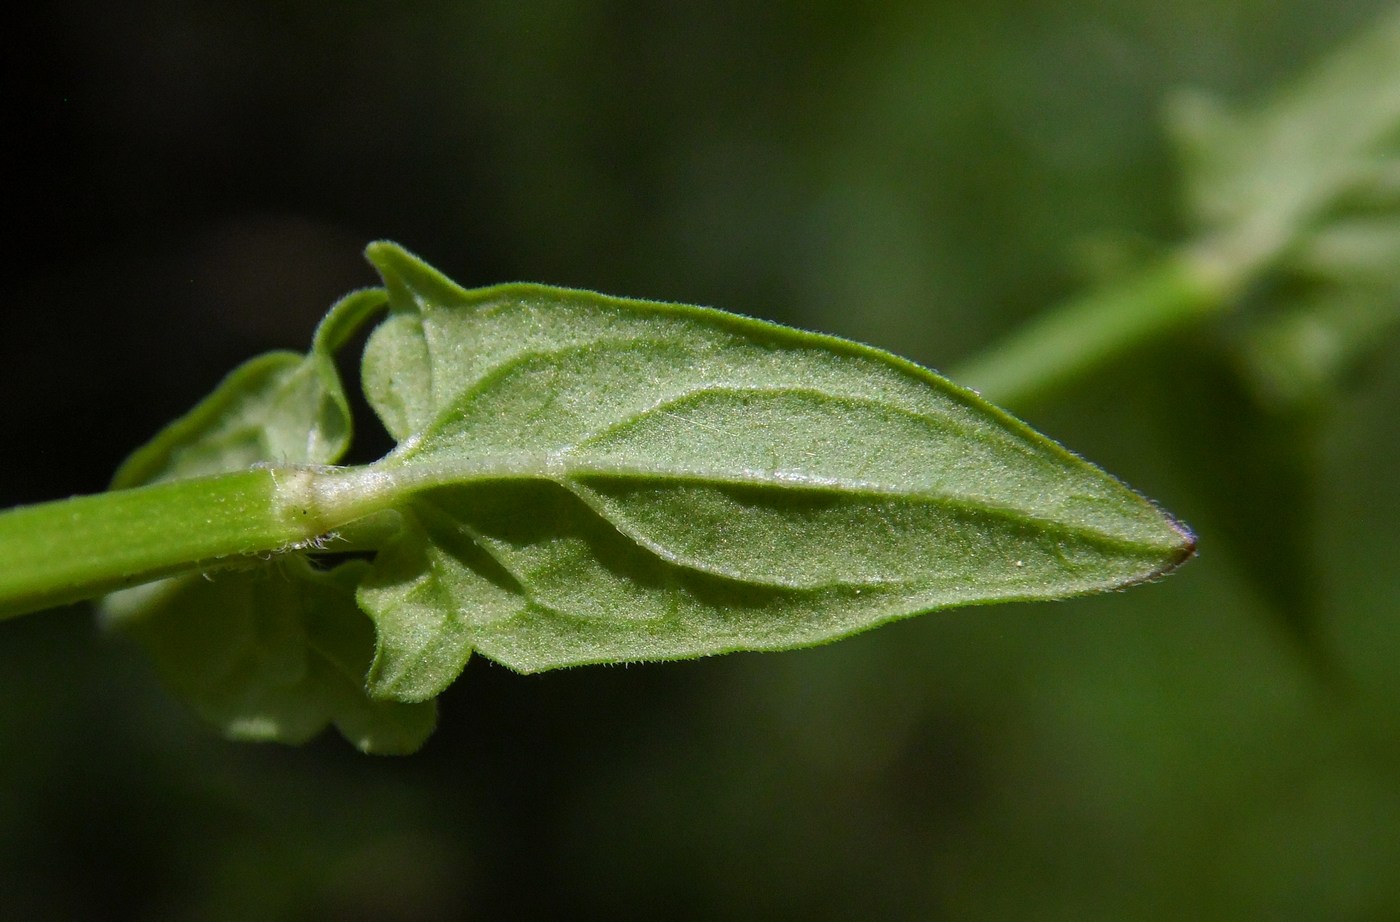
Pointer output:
x,y
72,549
1079,336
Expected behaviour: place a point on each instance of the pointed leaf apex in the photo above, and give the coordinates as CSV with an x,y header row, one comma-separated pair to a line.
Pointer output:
x,y
409,279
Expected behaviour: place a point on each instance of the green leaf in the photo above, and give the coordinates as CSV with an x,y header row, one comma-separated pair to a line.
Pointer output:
x,y
1308,348
275,653
590,479
274,649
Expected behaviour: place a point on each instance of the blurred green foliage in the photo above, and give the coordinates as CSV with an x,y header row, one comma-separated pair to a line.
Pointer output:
x,y
921,176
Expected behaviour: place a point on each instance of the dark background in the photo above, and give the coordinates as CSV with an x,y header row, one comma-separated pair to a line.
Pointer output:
x,y
192,182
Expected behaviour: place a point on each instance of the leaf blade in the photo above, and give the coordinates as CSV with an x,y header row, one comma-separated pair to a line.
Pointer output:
x,y
687,466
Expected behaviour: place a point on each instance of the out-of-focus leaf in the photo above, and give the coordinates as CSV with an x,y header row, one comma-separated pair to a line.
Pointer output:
x,y
272,653
1257,181
1298,356
1303,193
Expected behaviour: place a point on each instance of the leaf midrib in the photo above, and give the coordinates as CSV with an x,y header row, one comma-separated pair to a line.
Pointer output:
x,y
420,477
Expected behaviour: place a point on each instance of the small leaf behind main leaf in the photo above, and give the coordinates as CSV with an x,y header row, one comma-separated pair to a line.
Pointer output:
x,y
595,479
271,653
273,649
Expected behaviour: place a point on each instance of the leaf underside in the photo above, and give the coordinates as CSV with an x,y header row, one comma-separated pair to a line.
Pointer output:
x,y
583,479
614,480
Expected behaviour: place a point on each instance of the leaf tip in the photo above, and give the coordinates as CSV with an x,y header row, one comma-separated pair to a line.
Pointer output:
x,y
1188,543
407,276
1177,554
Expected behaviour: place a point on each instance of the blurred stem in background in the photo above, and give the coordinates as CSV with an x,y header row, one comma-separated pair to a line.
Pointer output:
x,y
1079,336
1304,189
